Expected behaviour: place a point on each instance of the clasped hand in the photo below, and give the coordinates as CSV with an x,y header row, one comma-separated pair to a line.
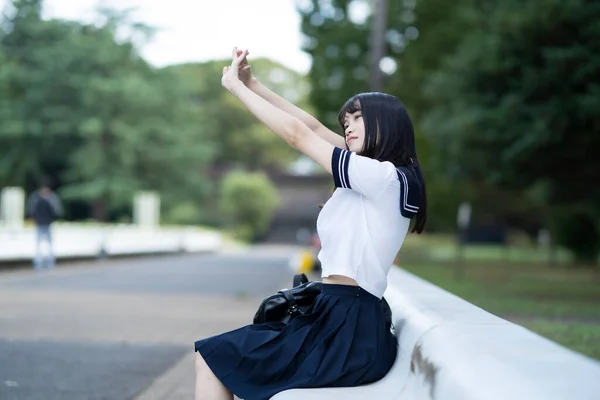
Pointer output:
x,y
238,71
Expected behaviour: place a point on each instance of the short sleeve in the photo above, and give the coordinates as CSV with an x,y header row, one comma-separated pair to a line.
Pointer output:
x,y
365,175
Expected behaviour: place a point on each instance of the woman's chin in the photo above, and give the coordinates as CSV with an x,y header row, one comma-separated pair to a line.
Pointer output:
x,y
353,148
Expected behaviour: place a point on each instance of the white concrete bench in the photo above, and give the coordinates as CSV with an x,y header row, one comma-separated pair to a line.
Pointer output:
x,y
451,350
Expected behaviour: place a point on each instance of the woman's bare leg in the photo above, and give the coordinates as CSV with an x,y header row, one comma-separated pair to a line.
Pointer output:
x,y
208,386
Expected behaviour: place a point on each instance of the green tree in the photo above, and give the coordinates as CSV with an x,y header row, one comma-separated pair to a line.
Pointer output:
x,y
339,48
26,41
516,107
337,35
87,109
139,131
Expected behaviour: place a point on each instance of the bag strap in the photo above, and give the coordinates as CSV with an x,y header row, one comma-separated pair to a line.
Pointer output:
x,y
300,279
291,301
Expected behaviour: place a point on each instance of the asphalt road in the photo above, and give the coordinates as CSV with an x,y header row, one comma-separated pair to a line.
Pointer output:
x,y
107,331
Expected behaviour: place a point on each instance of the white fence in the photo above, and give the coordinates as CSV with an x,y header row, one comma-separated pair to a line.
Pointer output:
x,y
80,240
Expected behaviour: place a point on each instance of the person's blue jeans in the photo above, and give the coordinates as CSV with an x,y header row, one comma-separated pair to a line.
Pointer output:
x,y
42,259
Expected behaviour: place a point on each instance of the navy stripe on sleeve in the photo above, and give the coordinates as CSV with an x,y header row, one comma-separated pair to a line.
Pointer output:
x,y
410,193
339,167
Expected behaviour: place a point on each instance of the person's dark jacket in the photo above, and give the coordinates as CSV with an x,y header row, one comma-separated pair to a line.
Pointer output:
x,y
44,209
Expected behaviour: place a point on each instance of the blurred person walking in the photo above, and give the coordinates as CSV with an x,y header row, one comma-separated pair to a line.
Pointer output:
x,y
44,207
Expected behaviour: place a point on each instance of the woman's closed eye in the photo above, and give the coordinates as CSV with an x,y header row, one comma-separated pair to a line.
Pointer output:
x,y
355,117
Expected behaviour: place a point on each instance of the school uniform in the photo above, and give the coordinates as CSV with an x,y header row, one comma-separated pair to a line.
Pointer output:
x,y
343,340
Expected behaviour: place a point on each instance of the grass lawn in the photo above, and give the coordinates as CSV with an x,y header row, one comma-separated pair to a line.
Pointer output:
x,y
560,302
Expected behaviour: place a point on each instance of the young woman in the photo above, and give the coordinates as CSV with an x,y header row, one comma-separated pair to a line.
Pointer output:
x,y
344,340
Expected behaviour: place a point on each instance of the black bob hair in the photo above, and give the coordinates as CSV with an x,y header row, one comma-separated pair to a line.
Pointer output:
x,y
389,136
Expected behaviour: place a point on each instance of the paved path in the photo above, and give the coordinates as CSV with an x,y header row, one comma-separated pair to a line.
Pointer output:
x,y
125,329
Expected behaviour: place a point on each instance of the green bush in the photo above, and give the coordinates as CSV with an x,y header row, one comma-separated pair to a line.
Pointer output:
x,y
183,213
248,203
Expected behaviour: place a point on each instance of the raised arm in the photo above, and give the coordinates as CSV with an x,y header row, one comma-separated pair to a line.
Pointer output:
x,y
287,126
313,124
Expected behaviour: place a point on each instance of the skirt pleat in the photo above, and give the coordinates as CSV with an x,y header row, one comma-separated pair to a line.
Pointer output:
x,y
341,341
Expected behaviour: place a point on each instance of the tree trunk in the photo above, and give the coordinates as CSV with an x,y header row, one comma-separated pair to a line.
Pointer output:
x,y
380,10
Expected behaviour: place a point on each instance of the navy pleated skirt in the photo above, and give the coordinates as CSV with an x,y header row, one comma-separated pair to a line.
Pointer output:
x,y
342,341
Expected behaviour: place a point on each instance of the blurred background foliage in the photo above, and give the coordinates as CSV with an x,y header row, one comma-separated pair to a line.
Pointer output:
x,y
503,95
83,107
247,201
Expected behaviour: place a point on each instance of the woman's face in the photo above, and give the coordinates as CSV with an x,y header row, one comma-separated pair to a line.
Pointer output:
x,y
354,130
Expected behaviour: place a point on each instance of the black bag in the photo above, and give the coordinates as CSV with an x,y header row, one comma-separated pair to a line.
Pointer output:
x,y
289,303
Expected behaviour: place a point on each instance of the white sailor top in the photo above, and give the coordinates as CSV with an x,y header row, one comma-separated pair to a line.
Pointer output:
x,y
364,223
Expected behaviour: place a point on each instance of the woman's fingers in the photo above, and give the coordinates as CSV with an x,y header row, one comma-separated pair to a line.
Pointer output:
x,y
234,57
234,70
241,57
239,52
237,59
